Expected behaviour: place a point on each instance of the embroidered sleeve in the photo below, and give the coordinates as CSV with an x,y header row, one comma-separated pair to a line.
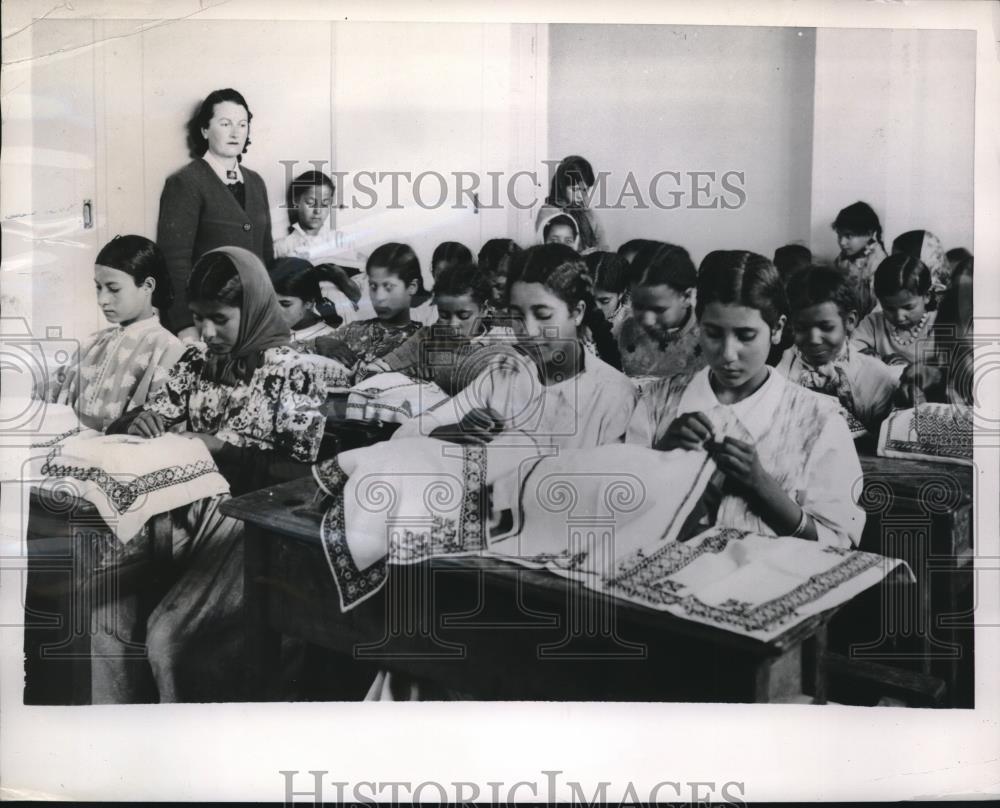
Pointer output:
x,y
170,400
832,477
293,396
59,387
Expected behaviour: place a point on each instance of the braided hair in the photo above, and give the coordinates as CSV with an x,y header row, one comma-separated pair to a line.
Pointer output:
x,y
563,272
857,219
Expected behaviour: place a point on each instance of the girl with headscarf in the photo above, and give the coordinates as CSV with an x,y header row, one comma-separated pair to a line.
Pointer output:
x,y
254,402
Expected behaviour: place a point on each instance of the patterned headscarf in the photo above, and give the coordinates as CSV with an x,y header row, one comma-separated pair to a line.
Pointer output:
x,y
261,323
924,245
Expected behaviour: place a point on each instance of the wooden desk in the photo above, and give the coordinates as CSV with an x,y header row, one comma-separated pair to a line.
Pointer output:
x,y
920,512
65,579
494,630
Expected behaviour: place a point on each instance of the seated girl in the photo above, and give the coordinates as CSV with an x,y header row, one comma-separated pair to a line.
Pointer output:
x,y
900,332
448,254
118,368
306,310
448,351
310,198
494,258
824,315
611,287
393,273
859,236
951,380
925,246
560,228
554,390
630,249
661,336
252,400
787,463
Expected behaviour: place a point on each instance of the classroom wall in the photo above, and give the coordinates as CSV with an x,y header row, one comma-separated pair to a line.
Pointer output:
x,y
653,98
894,127
154,81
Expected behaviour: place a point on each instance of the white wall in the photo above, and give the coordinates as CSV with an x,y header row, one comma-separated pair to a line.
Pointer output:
x,y
894,127
153,82
654,98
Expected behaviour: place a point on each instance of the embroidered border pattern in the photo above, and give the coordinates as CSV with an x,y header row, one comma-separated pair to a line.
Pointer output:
x,y
57,439
353,584
122,495
646,580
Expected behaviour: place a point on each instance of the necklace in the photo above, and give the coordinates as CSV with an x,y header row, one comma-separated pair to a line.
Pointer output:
x,y
906,336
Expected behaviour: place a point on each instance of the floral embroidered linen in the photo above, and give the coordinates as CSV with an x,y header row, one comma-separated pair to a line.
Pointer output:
x,y
131,479
392,398
938,432
620,519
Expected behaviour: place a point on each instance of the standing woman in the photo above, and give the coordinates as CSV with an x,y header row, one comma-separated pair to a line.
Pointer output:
x,y
572,180
213,201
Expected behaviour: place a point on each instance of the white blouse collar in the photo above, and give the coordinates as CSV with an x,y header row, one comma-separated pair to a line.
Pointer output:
x,y
755,412
220,168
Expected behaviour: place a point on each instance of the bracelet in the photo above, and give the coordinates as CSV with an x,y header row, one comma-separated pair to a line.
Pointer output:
x,y
800,530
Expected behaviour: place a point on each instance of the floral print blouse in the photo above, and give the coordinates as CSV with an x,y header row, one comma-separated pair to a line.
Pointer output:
x,y
277,409
370,339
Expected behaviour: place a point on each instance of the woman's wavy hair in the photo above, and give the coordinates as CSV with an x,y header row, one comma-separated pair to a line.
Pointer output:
x,y
196,141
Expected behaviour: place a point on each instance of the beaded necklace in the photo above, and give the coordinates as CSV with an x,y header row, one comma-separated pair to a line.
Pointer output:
x,y
906,336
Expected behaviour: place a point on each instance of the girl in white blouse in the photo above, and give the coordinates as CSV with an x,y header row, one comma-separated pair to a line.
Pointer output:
x,y
787,460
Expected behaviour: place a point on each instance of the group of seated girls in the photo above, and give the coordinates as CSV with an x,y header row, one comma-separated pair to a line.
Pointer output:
x,y
249,390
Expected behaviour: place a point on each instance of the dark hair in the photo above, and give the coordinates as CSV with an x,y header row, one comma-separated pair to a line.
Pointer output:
x,y
572,170
611,272
911,243
141,258
858,219
561,270
296,277
464,279
957,254
901,272
949,315
451,253
301,184
634,245
814,285
790,258
215,279
399,260
196,141
563,219
742,278
496,253
657,264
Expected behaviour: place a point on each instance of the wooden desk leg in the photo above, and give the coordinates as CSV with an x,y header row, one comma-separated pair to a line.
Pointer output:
x,y
814,662
797,675
263,644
